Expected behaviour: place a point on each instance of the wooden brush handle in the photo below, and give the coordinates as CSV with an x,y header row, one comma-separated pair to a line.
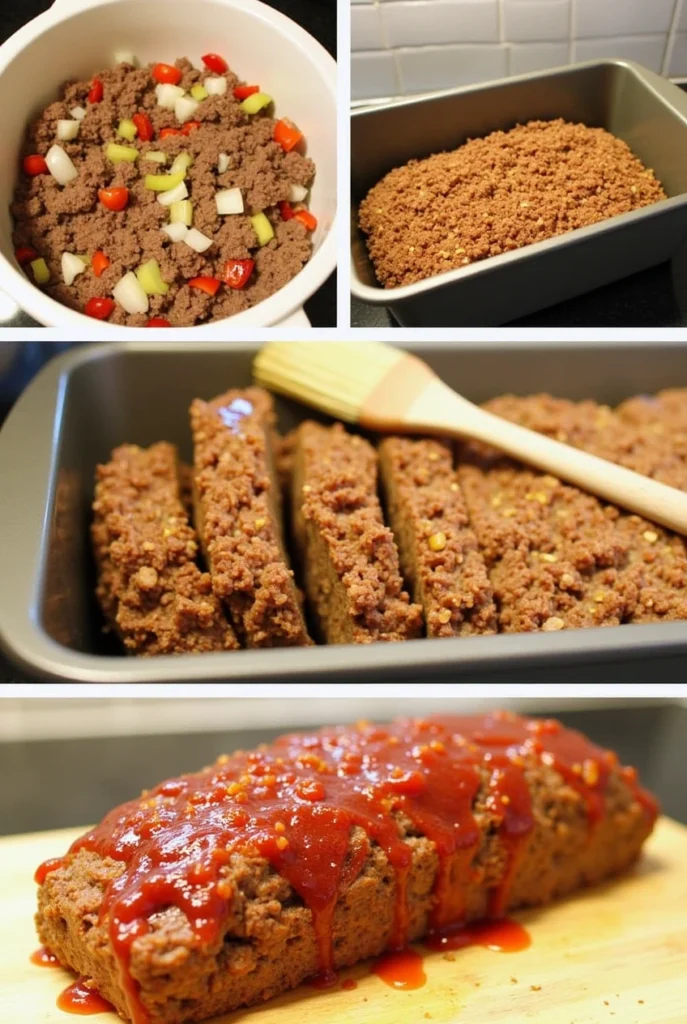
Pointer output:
x,y
441,410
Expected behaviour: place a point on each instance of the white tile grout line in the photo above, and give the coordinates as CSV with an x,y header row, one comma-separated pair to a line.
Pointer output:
x,y
670,39
343,53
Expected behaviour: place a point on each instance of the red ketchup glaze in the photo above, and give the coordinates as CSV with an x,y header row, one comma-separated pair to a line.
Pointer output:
x,y
44,869
296,802
349,984
80,998
401,970
43,957
503,936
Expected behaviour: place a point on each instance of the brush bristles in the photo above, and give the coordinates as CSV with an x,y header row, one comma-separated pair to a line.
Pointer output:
x,y
335,377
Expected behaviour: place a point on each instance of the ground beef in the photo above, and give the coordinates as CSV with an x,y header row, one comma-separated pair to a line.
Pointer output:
x,y
348,556
437,548
149,586
53,219
559,558
237,504
496,194
582,819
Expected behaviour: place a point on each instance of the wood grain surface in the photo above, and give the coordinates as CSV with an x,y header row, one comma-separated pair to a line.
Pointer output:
x,y
616,954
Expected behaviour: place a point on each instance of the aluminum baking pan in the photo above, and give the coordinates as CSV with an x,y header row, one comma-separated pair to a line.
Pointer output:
x,y
648,112
95,397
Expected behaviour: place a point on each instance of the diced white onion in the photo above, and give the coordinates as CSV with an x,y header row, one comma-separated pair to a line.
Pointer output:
x,y
177,232
229,200
173,195
216,86
126,57
297,193
78,113
185,107
223,163
130,295
60,165
167,95
71,266
67,130
197,240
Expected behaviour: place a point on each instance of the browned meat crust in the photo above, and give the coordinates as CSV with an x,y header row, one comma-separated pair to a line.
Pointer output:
x,y
559,558
438,550
349,558
149,586
238,517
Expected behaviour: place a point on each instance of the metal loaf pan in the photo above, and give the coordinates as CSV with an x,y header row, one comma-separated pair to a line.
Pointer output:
x,y
646,111
95,397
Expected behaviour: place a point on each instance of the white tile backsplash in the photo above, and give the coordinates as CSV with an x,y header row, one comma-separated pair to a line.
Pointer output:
x,y
425,22
621,17
525,57
366,28
401,47
646,50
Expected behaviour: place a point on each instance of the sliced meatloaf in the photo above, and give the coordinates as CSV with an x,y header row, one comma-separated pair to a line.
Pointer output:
x,y
348,556
150,589
228,887
237,504
437,548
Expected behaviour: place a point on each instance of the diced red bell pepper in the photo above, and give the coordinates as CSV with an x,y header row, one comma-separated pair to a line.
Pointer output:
x,y
306,218
25,254
166,74
96,92
158,321
286,134
213,62
100,262
99,307
116,198
144,127
190,126
242,92
286,210
165,132
209,285
237,272
34,165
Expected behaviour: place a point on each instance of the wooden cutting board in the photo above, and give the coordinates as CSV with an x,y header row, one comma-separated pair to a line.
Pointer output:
x,y
616,954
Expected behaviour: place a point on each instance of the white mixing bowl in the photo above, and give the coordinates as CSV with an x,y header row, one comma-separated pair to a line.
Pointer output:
x,y
76,38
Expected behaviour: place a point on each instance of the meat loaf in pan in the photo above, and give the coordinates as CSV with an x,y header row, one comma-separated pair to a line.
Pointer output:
x,y
150,589
237,504
347,554
227,887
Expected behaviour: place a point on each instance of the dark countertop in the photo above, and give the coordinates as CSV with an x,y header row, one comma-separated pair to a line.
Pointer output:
x,y
318,17
652,738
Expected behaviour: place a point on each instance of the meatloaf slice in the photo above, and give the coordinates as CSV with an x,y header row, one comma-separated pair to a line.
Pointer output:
x,y
350,562
149,586
228,887
438,550
237,504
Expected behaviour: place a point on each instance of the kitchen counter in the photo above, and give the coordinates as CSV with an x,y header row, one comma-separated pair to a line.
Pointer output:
x,y
318,17
652,738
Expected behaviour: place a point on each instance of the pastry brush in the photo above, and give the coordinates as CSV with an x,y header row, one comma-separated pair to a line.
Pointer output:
x,y
389,390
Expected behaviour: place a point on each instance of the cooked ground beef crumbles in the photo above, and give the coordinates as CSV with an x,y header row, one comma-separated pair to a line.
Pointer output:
x,y
496,194
52,219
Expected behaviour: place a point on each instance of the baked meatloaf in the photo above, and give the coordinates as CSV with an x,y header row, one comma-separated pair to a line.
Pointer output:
x,y
348,556
150,589
224,888
237,505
